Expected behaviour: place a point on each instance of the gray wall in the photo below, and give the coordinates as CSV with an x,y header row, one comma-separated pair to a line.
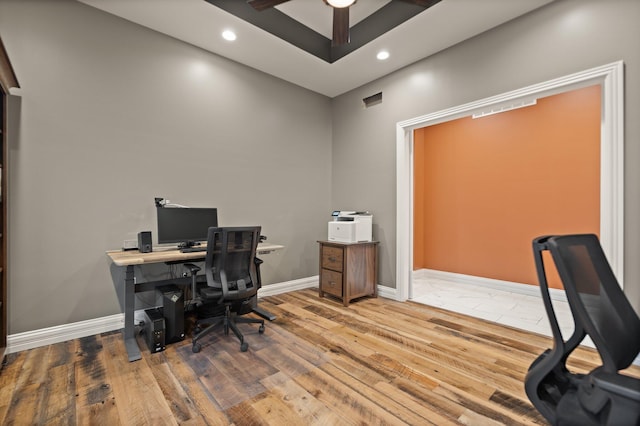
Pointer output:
x,y
112,115
557,40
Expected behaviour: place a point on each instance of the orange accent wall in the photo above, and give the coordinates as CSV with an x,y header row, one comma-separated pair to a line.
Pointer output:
x,y
484,188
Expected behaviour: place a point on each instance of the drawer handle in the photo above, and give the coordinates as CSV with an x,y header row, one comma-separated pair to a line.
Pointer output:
x,y
332,283
332,259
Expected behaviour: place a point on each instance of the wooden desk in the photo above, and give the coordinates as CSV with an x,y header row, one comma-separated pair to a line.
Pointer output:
x,y
160,255
131,258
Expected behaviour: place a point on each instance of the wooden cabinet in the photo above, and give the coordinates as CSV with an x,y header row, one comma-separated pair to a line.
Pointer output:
x,y
348,270
7,81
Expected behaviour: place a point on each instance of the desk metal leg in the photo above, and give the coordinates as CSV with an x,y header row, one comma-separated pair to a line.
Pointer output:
x,y
129,305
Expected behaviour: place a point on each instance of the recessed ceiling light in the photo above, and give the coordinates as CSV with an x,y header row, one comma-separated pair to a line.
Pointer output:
x,y
229,35
382,55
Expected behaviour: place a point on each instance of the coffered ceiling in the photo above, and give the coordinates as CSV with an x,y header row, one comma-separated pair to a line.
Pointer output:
x,y
281,41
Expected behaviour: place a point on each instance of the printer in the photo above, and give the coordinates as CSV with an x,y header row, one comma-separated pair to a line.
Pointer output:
x,y
350,226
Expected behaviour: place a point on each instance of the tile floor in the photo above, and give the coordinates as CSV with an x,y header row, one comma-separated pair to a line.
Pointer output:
x,y
518,310
523,311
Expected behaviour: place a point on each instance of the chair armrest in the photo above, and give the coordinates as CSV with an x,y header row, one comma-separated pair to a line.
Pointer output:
x,y
194,282
625,386
192,268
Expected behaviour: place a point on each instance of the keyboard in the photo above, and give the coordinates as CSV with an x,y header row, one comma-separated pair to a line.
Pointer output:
x,y
192,249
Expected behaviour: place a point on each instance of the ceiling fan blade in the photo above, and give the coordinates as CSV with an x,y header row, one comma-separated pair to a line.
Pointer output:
x,y
261,5
423,3
340,26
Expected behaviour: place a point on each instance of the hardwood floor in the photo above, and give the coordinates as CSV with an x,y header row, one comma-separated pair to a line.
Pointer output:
x,y
374,362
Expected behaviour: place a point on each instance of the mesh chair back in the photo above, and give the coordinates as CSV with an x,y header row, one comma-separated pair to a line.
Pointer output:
x,y
230,263
596,299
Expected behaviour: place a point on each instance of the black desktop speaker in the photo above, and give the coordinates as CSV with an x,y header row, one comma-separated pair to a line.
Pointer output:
x,y
144,242
173,312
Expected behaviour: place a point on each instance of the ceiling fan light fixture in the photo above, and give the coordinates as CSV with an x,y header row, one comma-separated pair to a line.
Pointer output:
x,y
340,3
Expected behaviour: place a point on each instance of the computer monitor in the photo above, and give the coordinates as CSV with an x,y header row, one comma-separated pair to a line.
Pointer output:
x,y
185,226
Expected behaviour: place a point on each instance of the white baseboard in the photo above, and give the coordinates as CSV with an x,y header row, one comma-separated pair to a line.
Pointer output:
x,y
287,286
51,335
310,282
61,333
387,292
530,290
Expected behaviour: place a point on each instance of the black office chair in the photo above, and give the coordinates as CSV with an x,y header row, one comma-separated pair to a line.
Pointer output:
x,y
601,311
232,281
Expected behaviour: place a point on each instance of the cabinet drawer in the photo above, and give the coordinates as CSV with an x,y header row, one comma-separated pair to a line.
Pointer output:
x,y
331,282
332,258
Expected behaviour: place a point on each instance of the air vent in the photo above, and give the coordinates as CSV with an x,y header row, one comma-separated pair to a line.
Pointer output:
x,y
372,100
504,108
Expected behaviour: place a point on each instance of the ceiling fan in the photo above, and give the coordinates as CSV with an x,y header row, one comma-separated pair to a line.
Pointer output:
x,y
340,14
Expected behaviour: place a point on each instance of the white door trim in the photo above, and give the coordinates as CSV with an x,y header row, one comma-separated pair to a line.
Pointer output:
x,y
611,79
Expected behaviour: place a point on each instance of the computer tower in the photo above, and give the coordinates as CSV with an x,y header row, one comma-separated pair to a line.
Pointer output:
x,y
154,329
173,312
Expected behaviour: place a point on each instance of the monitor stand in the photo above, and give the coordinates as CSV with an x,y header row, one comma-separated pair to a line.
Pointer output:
x,y
188,244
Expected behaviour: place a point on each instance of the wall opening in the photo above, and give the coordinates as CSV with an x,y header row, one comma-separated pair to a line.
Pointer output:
x,y
486,185
610,78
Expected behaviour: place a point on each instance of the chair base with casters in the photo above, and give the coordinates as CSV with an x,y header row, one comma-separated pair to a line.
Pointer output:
x,y
228,321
